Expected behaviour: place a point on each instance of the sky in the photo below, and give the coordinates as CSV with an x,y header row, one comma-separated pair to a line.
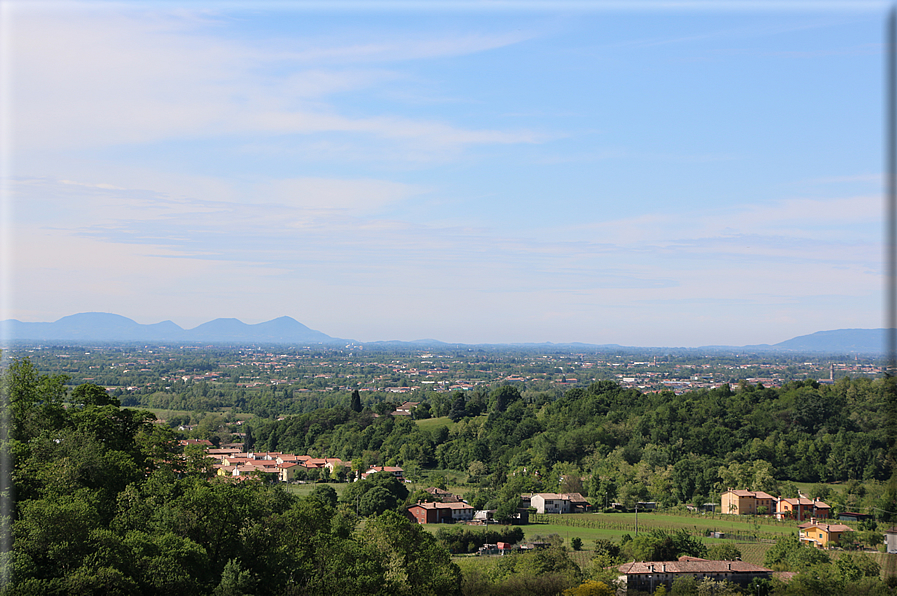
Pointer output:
x,y
642,173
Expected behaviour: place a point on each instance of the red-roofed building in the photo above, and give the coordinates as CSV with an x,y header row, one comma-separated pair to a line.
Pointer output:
x,y
822,535
435,513
556,502
395,471
747,502
202,442
801,509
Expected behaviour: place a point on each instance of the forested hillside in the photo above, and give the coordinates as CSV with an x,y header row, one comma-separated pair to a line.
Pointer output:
x,y
619,444
107,504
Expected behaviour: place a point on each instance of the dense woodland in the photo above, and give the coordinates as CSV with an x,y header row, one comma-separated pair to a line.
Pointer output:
x,y
614,444
106,503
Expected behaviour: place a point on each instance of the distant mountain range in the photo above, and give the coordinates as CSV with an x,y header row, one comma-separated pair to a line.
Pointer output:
x,y
106,327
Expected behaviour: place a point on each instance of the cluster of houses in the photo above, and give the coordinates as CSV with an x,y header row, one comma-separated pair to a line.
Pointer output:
x,y
747,502
453,509
816,531
283,467
271,464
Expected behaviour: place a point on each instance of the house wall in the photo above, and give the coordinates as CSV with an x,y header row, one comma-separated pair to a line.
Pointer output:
x,y
737,505
544,505
648,582
891,542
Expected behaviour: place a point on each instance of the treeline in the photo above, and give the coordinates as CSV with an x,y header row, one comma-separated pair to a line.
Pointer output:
x,y
461,539
616,444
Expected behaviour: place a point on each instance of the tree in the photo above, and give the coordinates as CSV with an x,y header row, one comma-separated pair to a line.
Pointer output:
x,y
724,552
506,512
235,581
476,470
325,494
590,588
788,554
415,563
658,545
854,566
376,501
355,402
576,543
459,409
504,396
93,395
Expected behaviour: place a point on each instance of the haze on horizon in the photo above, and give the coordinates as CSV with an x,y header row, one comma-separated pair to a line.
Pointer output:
x,y
642,175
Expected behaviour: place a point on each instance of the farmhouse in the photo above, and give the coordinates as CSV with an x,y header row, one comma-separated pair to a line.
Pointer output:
x,y
556,503
436,513
747,502
802,508
395,471
648,576
822,535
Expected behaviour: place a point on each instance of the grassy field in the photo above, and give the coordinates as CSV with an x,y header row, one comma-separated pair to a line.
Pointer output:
x,y
589,527
625,523
434,422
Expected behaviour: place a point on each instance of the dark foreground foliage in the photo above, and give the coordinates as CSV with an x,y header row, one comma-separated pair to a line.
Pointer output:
x,y
107,505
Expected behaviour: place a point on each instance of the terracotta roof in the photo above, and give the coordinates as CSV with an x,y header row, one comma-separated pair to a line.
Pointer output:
x,y
690,565
290,457
185,442
441,506
826,527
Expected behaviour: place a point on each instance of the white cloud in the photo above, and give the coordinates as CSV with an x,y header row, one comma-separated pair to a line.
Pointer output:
x,y
823,220
323,193
92,79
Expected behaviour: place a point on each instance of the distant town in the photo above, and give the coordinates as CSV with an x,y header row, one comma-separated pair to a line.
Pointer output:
x,y
143,371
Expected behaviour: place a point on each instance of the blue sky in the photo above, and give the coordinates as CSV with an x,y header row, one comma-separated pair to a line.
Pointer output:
x,y
655,174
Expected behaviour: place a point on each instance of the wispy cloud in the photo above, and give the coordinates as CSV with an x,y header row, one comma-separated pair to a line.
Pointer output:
x,y
96,80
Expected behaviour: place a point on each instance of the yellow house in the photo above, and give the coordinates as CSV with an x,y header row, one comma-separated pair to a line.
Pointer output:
x,y
822,535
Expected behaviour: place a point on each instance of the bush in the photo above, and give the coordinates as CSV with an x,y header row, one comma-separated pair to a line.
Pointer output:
x,y
576,543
